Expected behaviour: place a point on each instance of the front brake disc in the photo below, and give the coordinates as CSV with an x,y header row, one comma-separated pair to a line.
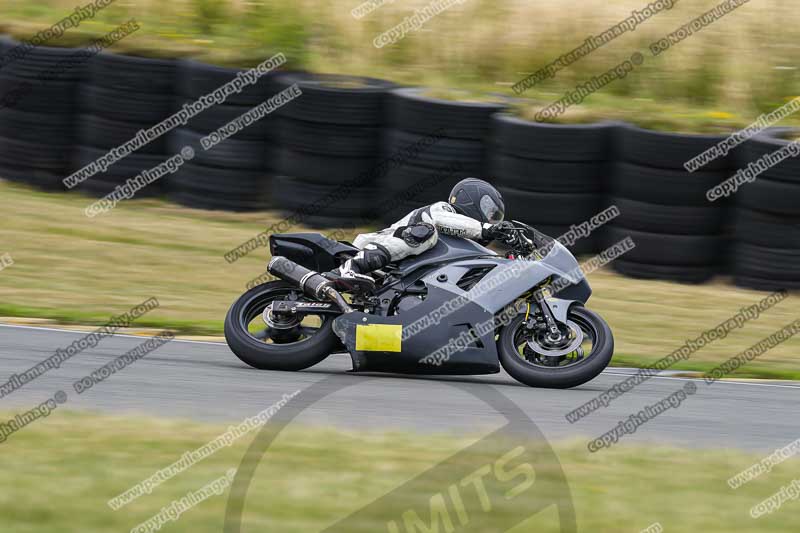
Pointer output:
x,y
573,345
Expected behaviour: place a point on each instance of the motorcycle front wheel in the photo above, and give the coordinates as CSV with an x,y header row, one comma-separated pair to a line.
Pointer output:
x,y
529,362
293,346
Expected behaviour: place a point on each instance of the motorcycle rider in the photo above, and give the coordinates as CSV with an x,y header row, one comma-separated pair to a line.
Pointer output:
x,y
475,210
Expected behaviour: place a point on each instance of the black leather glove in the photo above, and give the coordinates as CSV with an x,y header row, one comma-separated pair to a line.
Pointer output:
x,y
499,232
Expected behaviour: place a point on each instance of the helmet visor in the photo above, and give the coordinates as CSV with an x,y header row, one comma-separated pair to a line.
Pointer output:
x,y
491,211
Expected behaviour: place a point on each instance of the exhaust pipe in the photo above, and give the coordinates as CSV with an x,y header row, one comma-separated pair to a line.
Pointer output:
x,y
313,283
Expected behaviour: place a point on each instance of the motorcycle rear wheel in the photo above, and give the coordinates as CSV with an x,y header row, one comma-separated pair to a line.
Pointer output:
x,y
523,366
249,338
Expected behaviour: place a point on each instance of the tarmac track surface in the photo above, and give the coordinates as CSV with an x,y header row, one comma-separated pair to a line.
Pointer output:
x,y
206,382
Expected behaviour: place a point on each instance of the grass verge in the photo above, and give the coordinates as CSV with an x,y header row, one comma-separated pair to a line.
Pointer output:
x,y
61,471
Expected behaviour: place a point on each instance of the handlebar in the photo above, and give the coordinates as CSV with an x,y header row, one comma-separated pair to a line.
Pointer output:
x,y
524,239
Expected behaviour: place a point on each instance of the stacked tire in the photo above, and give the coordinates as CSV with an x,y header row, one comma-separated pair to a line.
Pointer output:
x,y
551,175
679,235
329,146
235,174
435,143
121,96
766,254
38,91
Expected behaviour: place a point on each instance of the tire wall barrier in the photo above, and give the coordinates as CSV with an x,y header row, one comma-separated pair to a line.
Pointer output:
x,y
38,115
328,143
340,155
453,136
679,234
766,249
120,95
236,174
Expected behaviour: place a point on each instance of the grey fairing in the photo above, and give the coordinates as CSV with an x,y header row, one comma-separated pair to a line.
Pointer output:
x,y
507,281
511,278
447,250
476,359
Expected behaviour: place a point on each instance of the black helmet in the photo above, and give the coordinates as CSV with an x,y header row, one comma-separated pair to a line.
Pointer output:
x,y
477,199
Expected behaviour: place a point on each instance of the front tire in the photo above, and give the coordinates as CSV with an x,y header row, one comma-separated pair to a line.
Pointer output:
x,y
519,366
312,345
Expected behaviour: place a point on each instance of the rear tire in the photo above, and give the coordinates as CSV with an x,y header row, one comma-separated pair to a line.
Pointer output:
x,y
558,377
258,354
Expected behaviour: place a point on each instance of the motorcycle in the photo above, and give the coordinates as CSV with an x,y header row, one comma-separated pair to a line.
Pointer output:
x,y
458,309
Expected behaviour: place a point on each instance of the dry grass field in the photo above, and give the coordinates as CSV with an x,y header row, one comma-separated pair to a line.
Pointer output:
x,y
719,78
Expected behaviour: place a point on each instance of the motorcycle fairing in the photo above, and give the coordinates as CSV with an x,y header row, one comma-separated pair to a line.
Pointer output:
x,y
512,278
447,249
477,358
505,281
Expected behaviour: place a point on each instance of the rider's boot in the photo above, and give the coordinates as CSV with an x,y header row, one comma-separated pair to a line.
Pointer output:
x,y
352,275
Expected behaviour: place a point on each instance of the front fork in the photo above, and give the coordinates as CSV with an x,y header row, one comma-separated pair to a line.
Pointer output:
x,y
553,311
554,334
